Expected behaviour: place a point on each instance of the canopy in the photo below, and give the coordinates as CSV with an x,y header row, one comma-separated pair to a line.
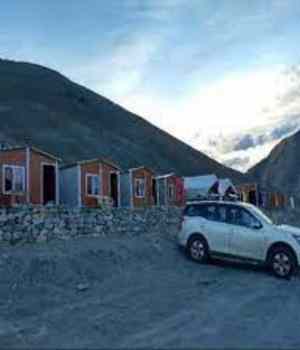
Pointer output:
x,y
225,185
199,185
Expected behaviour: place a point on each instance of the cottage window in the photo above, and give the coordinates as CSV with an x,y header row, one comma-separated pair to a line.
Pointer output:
x,y
92,185
14,179
139,187
171,192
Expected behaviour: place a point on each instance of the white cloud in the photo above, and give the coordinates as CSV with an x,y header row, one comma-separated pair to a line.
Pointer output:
x,y
236,102
120,72
157,64
279,119
218,117
213,118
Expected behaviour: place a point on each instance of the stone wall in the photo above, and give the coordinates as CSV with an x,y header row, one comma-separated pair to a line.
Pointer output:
x,y
42,224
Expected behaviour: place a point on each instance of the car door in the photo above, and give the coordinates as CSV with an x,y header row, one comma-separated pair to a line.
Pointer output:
x,y
247,239
216,230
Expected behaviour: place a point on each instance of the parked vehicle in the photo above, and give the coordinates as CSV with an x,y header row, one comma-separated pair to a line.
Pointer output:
x,y
239,231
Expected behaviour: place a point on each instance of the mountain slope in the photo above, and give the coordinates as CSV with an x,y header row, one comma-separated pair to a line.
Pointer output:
x,y
47,110
281,169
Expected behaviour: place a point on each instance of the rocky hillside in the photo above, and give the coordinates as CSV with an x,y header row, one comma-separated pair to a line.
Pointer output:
x,y
281,169
48,110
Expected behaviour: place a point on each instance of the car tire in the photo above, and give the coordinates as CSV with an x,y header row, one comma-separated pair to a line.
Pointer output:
x,y
197,249
282,262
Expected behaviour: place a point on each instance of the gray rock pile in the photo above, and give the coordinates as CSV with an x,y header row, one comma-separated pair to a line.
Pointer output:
x,y
28,224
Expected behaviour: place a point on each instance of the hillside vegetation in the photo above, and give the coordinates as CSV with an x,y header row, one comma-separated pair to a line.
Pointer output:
x,y
46,109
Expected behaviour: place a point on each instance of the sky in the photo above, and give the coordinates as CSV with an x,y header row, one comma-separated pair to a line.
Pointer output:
x,y
222,75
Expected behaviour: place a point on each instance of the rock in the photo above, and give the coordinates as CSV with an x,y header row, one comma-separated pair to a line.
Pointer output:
x,y
43,236
98,229
82,287
39,224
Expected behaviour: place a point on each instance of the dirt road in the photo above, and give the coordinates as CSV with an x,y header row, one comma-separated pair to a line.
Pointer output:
x,y
134,293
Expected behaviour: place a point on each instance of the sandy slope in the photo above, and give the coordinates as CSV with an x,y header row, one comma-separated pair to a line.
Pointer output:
x,y
139,293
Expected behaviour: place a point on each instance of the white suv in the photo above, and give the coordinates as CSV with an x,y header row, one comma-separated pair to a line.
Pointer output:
x,y
240,231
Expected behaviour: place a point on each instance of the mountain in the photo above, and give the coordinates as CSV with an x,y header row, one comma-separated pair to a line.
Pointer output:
x,y
281,169
41,107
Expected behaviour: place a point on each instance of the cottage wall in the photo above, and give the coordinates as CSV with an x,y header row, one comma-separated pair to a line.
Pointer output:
x,y
13,157
161,191
107,169
148,199
33,174
179,191
68,186
96,168
125,190
89,168
36,175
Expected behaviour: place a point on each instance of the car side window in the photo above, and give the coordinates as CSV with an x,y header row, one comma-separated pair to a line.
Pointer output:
x,y
248,220
232,215
241,217
190,210
195,210
222,214
212,213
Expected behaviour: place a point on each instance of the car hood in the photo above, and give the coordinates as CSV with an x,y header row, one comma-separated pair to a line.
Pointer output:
x,y
289,229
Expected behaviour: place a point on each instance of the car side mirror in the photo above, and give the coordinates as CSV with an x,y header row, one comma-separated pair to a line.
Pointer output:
x,y
256,225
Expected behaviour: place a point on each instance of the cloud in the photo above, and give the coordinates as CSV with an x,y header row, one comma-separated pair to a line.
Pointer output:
x,y
122,70
254,138
209,72
243,150
238,163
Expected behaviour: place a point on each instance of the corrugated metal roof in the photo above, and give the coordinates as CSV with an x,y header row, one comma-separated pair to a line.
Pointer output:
x,y
88,161
35,149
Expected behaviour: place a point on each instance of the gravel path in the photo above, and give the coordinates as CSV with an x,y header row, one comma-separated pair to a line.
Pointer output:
x,y
135,293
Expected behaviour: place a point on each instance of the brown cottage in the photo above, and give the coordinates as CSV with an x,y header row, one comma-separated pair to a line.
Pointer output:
x,y
265,198
28,175
90,183
249,193
138,188
170,190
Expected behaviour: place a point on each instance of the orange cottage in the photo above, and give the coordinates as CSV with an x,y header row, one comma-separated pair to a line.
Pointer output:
x,y
90,183
28,176
138,188
170,190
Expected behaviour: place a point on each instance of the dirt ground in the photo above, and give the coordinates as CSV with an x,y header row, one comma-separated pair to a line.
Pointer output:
x,y
139,292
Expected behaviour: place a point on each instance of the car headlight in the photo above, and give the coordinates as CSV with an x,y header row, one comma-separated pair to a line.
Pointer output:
x,y
297,238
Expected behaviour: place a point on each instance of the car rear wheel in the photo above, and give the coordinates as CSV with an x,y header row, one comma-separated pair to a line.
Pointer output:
x,y
282,262
198,249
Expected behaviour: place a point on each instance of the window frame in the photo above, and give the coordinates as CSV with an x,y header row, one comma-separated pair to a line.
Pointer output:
x,y
250,214
13,191
254,218
136,181
171,197
87,176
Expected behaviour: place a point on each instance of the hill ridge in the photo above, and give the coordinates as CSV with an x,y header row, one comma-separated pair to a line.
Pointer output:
x,y
281,167
43,107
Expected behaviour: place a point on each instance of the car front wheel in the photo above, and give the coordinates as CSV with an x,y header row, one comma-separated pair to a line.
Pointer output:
x,y
198,249
282,262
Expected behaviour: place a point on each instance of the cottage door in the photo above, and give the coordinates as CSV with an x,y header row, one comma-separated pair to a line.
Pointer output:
x,y
114,189
154,191
49,184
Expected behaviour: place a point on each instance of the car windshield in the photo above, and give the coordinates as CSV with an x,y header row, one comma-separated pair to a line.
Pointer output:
x,y
262,215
